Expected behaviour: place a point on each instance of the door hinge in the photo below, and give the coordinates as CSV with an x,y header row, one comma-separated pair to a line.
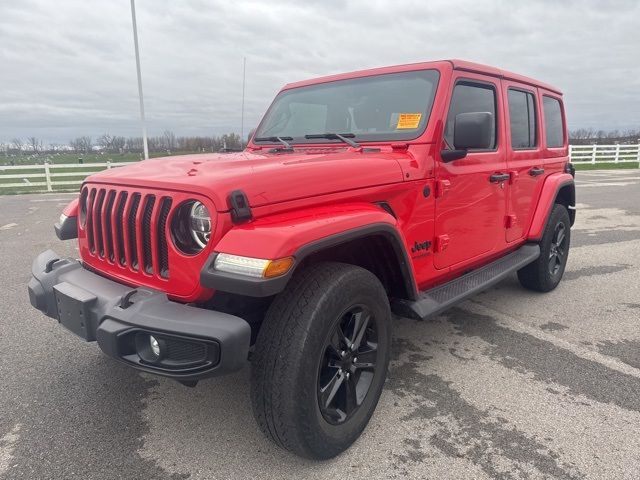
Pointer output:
x,y
510,221
441,243
442,186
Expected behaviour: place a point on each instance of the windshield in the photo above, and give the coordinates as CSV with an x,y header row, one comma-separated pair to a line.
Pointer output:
x,y
394,106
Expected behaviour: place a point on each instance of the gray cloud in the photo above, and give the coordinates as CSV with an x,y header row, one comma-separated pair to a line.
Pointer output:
x,y
67,67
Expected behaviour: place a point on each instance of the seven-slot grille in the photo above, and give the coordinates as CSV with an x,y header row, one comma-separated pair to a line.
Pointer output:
x,y
127,228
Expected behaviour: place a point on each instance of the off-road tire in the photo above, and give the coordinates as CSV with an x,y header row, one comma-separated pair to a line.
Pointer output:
x,y
539,276
290,349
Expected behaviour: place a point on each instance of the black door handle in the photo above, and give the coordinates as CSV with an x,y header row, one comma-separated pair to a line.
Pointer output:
x,y
535,171
499,177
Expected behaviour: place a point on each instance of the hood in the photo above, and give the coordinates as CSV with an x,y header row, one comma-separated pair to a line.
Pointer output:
x,y
265,178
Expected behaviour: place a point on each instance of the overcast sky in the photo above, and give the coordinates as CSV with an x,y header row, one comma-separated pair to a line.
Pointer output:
x,y
67,68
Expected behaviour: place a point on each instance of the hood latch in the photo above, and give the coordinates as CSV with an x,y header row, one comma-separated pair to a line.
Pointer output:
x,y
239,205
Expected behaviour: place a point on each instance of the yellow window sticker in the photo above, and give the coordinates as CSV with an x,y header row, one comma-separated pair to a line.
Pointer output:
x,y
408,120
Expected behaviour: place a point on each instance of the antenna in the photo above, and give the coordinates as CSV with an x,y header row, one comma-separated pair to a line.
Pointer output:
x,y
244,69
135,45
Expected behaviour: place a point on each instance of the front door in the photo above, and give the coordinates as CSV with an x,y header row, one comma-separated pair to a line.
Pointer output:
x,y
471,194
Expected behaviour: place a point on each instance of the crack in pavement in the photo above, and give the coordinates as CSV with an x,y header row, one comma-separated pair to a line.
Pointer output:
x,y
499,449
548,362
594,271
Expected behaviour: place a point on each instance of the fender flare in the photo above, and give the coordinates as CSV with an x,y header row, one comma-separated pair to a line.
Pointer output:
x,y
550,191
347,225
67,227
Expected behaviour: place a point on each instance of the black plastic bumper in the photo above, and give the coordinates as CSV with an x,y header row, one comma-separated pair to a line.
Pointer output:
x,y
194,343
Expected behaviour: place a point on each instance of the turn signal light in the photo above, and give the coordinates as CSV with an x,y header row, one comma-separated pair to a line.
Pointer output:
x,y
278,267
252,267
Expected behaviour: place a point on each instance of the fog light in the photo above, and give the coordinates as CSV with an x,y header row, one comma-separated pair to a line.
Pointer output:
x,y
155,346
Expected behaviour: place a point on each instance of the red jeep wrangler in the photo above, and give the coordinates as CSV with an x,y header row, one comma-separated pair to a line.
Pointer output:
x,y
402,189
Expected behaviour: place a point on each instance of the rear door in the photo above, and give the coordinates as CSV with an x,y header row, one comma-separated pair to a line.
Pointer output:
x,y
524,156
470,208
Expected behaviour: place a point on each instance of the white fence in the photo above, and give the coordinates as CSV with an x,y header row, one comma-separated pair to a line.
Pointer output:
x,y
604,153
45,177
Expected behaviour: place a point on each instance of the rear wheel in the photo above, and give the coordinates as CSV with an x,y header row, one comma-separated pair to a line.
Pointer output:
x,y
321,360
545,273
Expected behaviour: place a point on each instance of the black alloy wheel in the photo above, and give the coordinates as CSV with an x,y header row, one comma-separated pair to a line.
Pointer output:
x,y
348,365
545,273
558,248
321,358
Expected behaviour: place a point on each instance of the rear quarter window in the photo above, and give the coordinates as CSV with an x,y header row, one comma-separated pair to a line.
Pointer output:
x,y
522,119
553,122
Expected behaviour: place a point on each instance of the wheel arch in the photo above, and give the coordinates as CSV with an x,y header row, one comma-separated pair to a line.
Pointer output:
x,y
365,235
567,196
377,248
560,189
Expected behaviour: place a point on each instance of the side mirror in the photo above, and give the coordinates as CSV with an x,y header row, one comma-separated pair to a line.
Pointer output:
x,y
471,130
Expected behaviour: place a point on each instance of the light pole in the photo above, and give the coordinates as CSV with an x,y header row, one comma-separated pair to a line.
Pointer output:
x,y
244,69
135,45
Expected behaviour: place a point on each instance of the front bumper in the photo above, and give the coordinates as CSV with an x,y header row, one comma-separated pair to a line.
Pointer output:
x,y
195,342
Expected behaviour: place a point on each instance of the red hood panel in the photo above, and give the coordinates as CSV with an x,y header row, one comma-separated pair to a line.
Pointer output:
x,y
265,178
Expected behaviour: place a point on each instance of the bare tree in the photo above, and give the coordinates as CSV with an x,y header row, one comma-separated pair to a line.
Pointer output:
x,y
118,143
105,141
82,144
134,144
35,143
169,140
18,144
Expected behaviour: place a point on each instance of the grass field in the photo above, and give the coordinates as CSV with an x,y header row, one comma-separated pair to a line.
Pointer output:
x,y
605,166
65,158
33,184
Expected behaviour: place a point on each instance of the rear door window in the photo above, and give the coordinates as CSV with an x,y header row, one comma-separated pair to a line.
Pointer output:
x,y
553,122
471,97
522,119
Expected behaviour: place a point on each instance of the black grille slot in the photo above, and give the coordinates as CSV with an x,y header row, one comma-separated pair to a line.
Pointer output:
x,y
146,233
122,201
131,223
162,238
128,228
185,351
98,220
90,220
109,233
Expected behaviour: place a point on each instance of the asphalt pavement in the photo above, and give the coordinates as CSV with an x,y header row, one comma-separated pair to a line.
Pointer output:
x,y
510,384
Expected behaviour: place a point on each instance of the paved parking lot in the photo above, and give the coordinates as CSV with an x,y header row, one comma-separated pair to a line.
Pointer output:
x,y
511,384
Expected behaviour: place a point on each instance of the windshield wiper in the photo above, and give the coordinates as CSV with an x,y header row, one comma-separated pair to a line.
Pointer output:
x,y
282,140
336,136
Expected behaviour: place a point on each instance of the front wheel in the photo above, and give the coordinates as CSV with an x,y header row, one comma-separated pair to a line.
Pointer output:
x,y
321,359
545,273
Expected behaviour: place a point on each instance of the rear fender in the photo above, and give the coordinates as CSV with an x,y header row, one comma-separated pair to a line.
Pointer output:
x,y
557,188
301,234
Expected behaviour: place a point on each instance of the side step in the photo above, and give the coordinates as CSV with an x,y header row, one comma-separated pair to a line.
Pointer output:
x,y
431,302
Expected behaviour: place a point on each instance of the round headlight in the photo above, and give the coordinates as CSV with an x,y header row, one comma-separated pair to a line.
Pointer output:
x,y
200,224
191,227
